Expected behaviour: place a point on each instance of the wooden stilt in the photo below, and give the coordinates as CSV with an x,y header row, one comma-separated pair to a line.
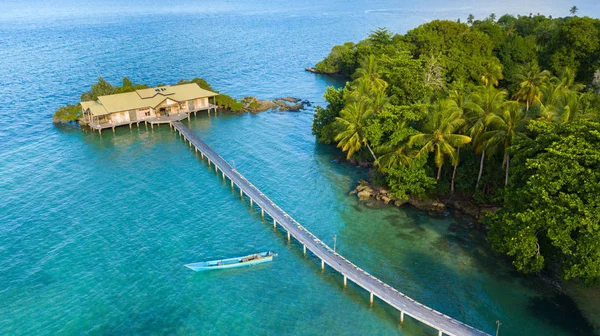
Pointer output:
x,y
345,281
371,299
440,333
401,317
113,129
304,248
322,265
130,126
274,223
222,173
251,203
262,211
241,193
231,184
289,237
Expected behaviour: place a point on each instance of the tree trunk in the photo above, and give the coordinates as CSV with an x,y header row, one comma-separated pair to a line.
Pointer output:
x,y
507,165
439,172
480,169
527,105
454,172
370,150
452,184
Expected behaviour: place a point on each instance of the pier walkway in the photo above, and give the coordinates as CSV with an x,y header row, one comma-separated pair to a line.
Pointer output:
x,y
442,323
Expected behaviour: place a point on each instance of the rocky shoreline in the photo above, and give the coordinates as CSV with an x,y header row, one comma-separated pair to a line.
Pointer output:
x,y
367,191
315,71
285,104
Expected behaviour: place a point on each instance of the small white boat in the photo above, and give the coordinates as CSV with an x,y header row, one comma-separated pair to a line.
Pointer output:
x,y
252,259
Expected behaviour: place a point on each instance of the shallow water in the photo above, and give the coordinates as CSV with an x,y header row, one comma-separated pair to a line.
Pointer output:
x,y
94,230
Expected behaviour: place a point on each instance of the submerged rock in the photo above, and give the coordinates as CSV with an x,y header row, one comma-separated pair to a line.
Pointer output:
x,y
427,205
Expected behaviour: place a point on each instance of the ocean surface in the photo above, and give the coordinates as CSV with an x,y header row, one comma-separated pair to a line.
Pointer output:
x,y
94,230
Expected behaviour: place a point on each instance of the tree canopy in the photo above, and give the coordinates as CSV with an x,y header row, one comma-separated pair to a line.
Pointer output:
x,y
511,103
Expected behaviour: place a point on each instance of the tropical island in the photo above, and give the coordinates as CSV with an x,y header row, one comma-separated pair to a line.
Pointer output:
x,y
73,112
498,116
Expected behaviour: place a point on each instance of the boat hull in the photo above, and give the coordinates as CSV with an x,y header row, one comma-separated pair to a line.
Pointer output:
x,y
231,263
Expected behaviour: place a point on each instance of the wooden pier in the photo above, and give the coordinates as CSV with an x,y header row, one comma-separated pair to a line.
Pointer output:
x,y
445,325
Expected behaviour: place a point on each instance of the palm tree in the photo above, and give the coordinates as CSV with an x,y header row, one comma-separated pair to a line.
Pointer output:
x,y
552,99
352,122
574,107
470,19
493,74
506,126
396,151
369,71
485,102
573,10
439,134
531,80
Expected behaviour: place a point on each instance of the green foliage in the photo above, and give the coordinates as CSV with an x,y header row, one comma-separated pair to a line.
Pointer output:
x,y
381,38
341,60
101,88
323,126
68,113
201,83
577,46
405,76
229,103
409,181
460,52
432,90
553,212
440,134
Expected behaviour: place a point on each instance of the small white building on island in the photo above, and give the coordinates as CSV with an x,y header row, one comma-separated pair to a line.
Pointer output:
x,y
154,105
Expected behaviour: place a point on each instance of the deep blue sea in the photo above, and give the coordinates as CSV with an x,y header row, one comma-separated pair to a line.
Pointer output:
x,y
94,230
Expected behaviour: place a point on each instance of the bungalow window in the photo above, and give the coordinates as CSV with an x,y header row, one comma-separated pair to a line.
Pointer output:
x,y
147,113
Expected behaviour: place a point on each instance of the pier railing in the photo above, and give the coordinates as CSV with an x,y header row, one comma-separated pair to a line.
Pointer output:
x,y
406,305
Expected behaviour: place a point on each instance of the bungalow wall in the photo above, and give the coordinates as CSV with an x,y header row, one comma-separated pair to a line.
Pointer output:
x,y
195,104
144,113
201,103
120,117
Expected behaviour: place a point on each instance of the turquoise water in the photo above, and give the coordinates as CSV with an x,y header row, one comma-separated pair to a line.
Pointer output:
x,y
94,231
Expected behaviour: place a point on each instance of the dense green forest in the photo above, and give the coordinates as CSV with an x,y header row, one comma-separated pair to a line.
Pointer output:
x,y
72,113
497,111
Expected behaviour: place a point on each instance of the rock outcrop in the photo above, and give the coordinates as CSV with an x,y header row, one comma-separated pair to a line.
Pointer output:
x,y
366,191
285,104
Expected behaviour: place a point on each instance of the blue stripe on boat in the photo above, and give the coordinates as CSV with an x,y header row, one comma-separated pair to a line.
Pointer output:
x,y
251,259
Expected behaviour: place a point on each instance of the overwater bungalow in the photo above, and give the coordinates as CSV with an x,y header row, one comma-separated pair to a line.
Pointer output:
x,y
157,105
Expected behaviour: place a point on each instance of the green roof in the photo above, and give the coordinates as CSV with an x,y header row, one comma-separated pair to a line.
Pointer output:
x,y
145,98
